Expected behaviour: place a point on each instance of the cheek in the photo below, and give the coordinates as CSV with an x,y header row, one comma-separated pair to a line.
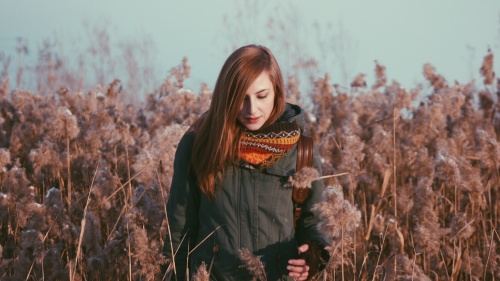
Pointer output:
x,y
271,102
270,107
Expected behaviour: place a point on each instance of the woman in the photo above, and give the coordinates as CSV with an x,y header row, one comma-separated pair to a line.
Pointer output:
x,y
229,187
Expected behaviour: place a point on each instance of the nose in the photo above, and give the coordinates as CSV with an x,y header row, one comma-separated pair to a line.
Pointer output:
x,y
250,106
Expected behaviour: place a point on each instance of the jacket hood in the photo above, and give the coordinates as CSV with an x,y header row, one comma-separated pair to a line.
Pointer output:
x,y
286,165
293,113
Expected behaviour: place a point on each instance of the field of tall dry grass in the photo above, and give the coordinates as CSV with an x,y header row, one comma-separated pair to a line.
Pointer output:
x,y
85,176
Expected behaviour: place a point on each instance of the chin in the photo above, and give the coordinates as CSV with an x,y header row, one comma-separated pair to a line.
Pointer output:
x,y
253,127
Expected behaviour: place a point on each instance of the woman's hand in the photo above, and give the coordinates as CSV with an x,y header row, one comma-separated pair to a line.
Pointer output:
x,y
298,268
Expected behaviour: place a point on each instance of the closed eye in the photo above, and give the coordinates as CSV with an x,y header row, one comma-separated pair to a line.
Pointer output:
x,y
263,94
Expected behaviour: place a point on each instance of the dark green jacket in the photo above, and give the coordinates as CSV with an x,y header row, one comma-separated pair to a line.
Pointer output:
x,y
252,209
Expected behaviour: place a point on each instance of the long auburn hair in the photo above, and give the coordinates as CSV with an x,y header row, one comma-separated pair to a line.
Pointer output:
x,y
217,132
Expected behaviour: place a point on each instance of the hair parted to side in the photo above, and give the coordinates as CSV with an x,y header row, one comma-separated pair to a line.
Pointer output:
x,y
217,132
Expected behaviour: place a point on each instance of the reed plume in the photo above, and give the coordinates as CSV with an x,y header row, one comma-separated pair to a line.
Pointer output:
x,y
253,264
202,273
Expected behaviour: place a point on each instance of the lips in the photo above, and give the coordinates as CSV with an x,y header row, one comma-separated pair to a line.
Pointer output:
x,y
252,120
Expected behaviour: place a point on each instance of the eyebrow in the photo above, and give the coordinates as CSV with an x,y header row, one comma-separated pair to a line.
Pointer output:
x,y
262,91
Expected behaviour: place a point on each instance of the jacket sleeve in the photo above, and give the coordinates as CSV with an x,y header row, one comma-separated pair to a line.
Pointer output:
x,y
307,232
182,209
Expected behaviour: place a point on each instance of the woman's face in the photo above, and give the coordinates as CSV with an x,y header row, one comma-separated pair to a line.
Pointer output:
x,y
258,104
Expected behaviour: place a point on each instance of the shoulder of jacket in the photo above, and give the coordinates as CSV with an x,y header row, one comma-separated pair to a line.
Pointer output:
x,y
187,141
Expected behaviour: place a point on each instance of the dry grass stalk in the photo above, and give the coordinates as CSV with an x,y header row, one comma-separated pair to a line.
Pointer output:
x,y
123,185
80,239
68,159
171,266
202,274
331,176
380,253
339,219
129,255
395,194
253,264
204,239
305,177
487,69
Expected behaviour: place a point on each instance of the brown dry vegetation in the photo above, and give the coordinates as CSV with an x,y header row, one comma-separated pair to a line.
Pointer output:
x,y
84,178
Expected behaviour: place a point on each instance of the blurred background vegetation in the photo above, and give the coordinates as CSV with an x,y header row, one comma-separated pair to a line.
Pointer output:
x,y
88,134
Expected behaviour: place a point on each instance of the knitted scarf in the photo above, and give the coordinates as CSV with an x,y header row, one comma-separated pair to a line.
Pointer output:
x,y
264,147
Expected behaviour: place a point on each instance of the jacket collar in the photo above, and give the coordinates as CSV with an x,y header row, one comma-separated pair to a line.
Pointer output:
x,y
293,113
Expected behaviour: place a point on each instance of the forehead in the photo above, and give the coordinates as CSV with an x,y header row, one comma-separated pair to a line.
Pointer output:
x,y
262,82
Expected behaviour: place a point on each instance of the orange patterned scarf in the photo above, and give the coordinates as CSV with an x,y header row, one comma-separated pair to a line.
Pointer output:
x,y
264,147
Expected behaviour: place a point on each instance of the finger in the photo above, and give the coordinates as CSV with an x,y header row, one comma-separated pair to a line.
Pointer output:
x,y
298,275
298,262
302,275
302,278
303,248
297,269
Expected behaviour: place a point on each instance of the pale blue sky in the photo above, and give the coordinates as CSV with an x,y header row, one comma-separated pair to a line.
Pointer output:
x,y
453,35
